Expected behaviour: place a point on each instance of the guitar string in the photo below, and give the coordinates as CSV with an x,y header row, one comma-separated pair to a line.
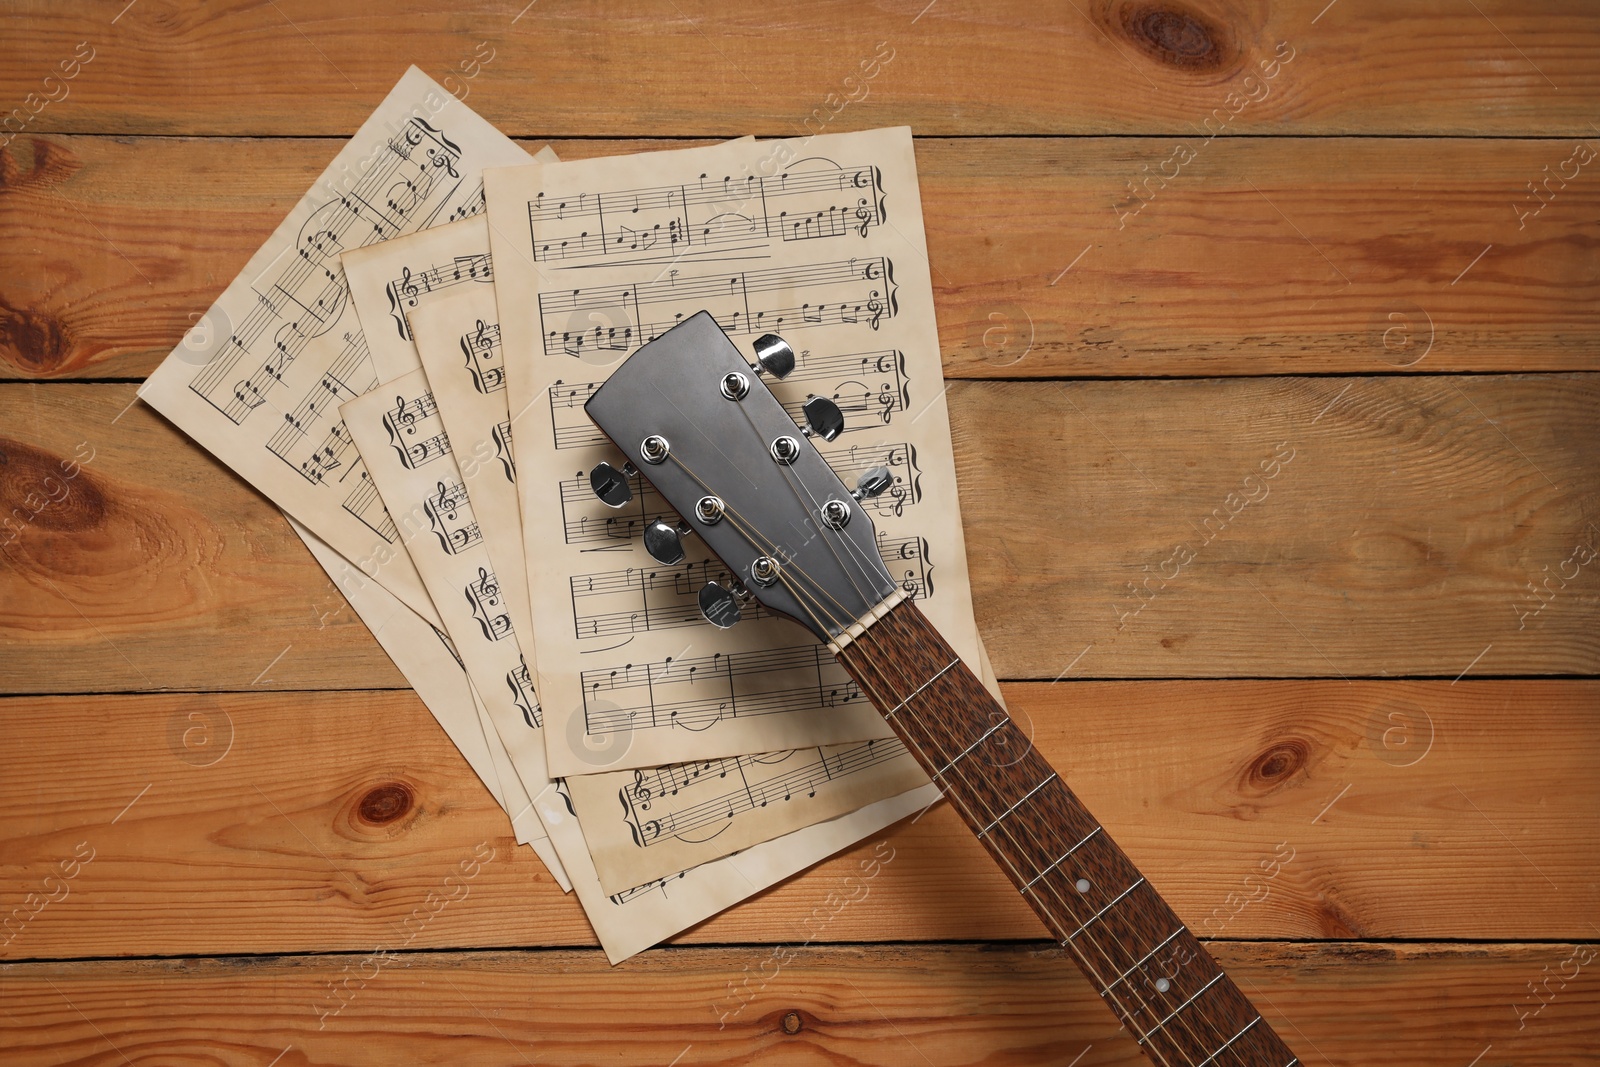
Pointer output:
x,y
1136,961
756,540
748,531
739,523
795,589
796,483
792,478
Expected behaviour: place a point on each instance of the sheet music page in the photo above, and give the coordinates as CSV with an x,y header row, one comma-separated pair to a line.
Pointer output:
x,y
631,921
408,455
643,825
259,379
458,341
390,280
457,336
817,239
431,665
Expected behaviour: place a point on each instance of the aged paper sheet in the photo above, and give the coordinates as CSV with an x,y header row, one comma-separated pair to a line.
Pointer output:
x,y
409,458
425,657
458,341
819,240
259,381
630,922
643,825
457,336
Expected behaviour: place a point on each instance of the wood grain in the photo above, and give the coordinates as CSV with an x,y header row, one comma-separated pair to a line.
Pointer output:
x,y
156,564
1259,256
1426,1005
296,67
1401,538
323,822
1286,526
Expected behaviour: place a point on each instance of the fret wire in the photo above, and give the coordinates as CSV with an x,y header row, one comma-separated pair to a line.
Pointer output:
x,y
1062,860
1069,944
1146,959
1072,945
920,688
1206,1024
1230,1041
958,801
969,748
1096,916
1191,999
1052,777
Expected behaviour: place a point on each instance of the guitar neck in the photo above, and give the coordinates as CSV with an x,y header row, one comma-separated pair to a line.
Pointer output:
x,y
1175,1000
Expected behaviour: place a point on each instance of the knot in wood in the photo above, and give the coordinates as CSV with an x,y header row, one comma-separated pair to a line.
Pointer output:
x,y
51,492
1278,764
385,803
1175,35
792,1023
32,341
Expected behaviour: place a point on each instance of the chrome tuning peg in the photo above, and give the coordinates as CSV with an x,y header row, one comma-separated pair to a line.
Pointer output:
x,y
823,418
611,485
719,606
664,542
774,355
872,483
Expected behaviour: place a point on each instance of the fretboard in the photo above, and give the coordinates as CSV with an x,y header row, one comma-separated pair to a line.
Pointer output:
x,y
1175,1000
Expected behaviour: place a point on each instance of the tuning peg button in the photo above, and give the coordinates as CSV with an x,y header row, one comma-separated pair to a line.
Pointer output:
x,y
719,606
610,484
664,542
872,483
823,418
774,355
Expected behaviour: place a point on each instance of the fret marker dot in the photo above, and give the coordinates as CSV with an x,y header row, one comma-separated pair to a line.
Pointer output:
x,y
1162,985
1081,885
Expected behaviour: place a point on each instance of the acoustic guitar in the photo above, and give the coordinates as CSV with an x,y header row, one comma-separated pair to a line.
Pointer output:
x,y
694,418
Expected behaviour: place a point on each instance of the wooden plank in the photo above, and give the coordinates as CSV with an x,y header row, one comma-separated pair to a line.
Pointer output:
x,y
733,68
1350,1004
1283,526
323,822
1348,248
1400,538
154,567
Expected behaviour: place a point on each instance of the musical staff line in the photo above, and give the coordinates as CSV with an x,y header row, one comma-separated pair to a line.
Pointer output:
x,y
754,791
853,291
693,693
309,294
813,205
406,291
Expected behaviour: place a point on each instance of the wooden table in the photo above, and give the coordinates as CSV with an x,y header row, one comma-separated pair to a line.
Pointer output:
x,y
1171,240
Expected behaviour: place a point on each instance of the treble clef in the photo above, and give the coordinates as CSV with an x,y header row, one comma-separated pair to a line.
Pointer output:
x,y
404,416
641,792
863,215
408,287
875,309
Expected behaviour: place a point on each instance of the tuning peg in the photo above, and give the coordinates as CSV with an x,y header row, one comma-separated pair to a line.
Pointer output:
x,y
823,418
872,483
774,355
664,542
719,606
610,484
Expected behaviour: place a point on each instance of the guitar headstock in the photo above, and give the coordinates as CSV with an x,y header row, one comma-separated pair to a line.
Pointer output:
x,y
695,418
